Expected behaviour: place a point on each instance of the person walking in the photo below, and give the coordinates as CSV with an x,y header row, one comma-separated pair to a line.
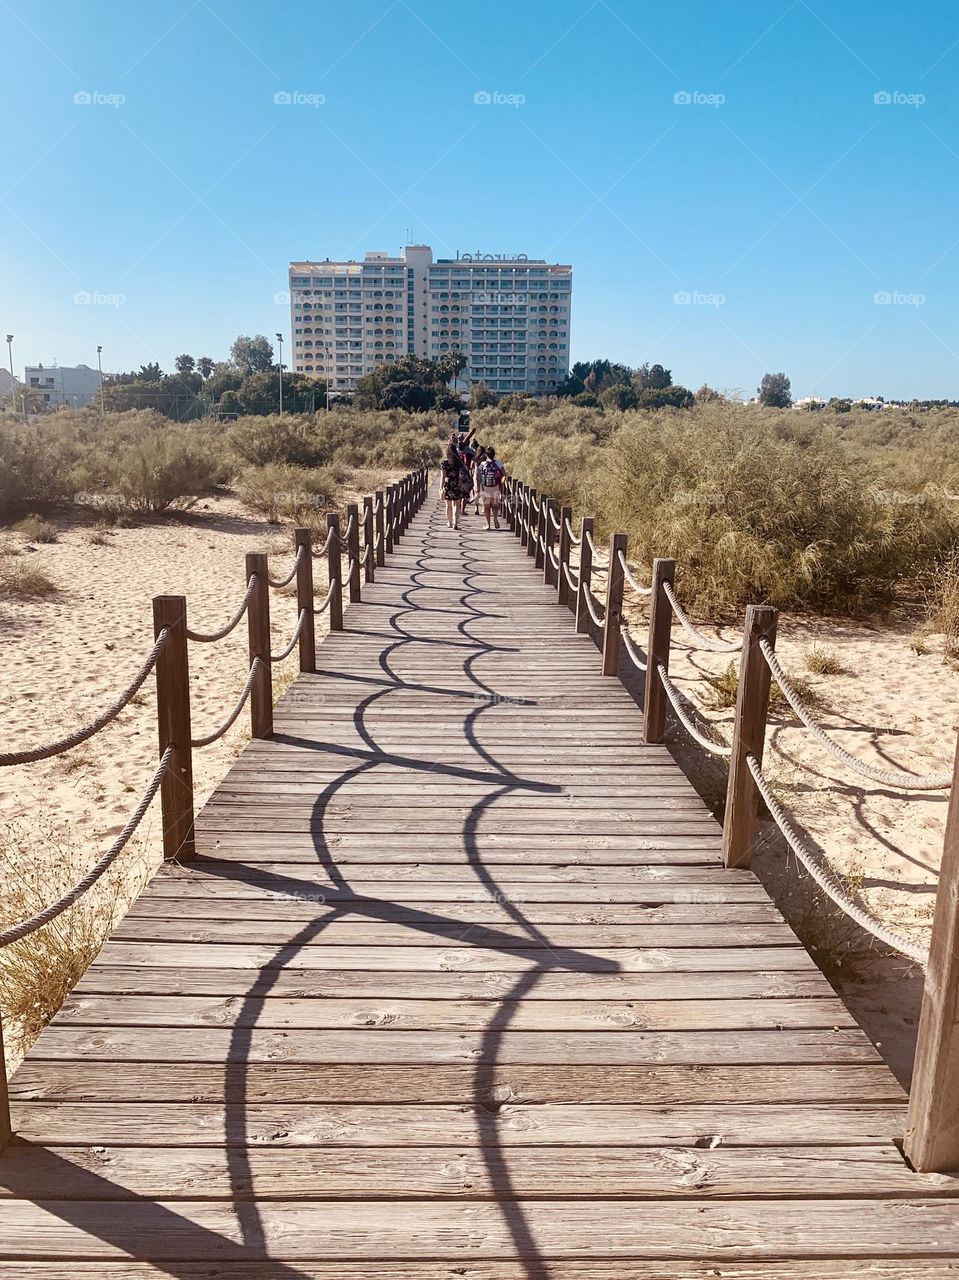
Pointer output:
x,y
491,477
476,497
457,482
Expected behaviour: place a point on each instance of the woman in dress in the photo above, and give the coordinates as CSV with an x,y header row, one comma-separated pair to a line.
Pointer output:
x,y
457,482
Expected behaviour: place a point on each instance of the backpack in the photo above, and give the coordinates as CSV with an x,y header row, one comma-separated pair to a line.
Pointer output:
x,y
491,474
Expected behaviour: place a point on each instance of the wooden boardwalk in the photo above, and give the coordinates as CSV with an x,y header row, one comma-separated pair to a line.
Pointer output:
x,y
458,987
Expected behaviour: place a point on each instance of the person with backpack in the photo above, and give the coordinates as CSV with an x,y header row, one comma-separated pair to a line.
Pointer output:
x,y
491,477
476,496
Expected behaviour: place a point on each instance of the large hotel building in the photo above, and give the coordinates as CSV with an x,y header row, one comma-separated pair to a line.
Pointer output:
x,y
508,314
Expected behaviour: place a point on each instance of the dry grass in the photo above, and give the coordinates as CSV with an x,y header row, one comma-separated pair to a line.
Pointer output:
x,y
822,661
35,529
724,688
22,579
99,535
38,972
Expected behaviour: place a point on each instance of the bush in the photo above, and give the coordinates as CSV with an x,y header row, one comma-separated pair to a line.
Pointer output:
x,y
35,529
161,469
24,579
292,493
263,440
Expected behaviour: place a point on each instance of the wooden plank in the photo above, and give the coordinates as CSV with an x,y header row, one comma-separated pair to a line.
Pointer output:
x,y
887,1268
663,1084
509,1125
306,1011
467,1171
374,1229
459,957
213,1044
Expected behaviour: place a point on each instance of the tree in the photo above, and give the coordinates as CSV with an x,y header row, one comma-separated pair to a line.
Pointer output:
x,y
185,364
775,391
431,379
673,396
252,355
652,378
618,397
149,373
205,367
480,396
706,394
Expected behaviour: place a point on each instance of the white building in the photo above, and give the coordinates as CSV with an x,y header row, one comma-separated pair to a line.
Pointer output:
x,y
63,385
507,313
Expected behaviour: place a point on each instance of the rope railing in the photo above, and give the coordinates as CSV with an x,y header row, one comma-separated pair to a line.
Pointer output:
x,y
211,637
703,641
234,714
285,653
631,578
81,735
22,930
324,605
635,657
571,577
285,582
888,777
677,699
599,559
553,558
591,607
571,535
826,878
554,519
321,551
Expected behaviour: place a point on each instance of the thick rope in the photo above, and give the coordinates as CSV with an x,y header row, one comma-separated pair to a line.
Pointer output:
x,y
285,582
231,718
599,559
572,536
703,641
631,578
321,551
211,637
321,608
588,597
631,648
347,532
827,879
573,581
18,931
281,657
111,713
553,557
677,699
889,777
554,519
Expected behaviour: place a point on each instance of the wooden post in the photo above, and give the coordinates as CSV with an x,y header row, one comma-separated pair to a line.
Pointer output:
x,y
540,532
657,651
529,512
562,589
549,536
614,605
749,733
511,490
334,569
304,598
380,535
6,1127
173,721
393,514
369,560
932,1122
258,617
585,575
353,550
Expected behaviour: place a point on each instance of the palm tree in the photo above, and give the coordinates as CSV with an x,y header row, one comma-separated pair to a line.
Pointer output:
x,y
204,367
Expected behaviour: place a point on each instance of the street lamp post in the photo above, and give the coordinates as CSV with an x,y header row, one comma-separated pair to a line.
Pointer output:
x,y
13,379
329,374
100,367
279,338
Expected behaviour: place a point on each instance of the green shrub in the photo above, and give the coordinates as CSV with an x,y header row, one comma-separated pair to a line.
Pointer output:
x,y
260,441
282,492
163,468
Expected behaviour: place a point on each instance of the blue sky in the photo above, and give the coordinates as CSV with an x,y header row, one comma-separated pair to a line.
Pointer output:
x,y
780,200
